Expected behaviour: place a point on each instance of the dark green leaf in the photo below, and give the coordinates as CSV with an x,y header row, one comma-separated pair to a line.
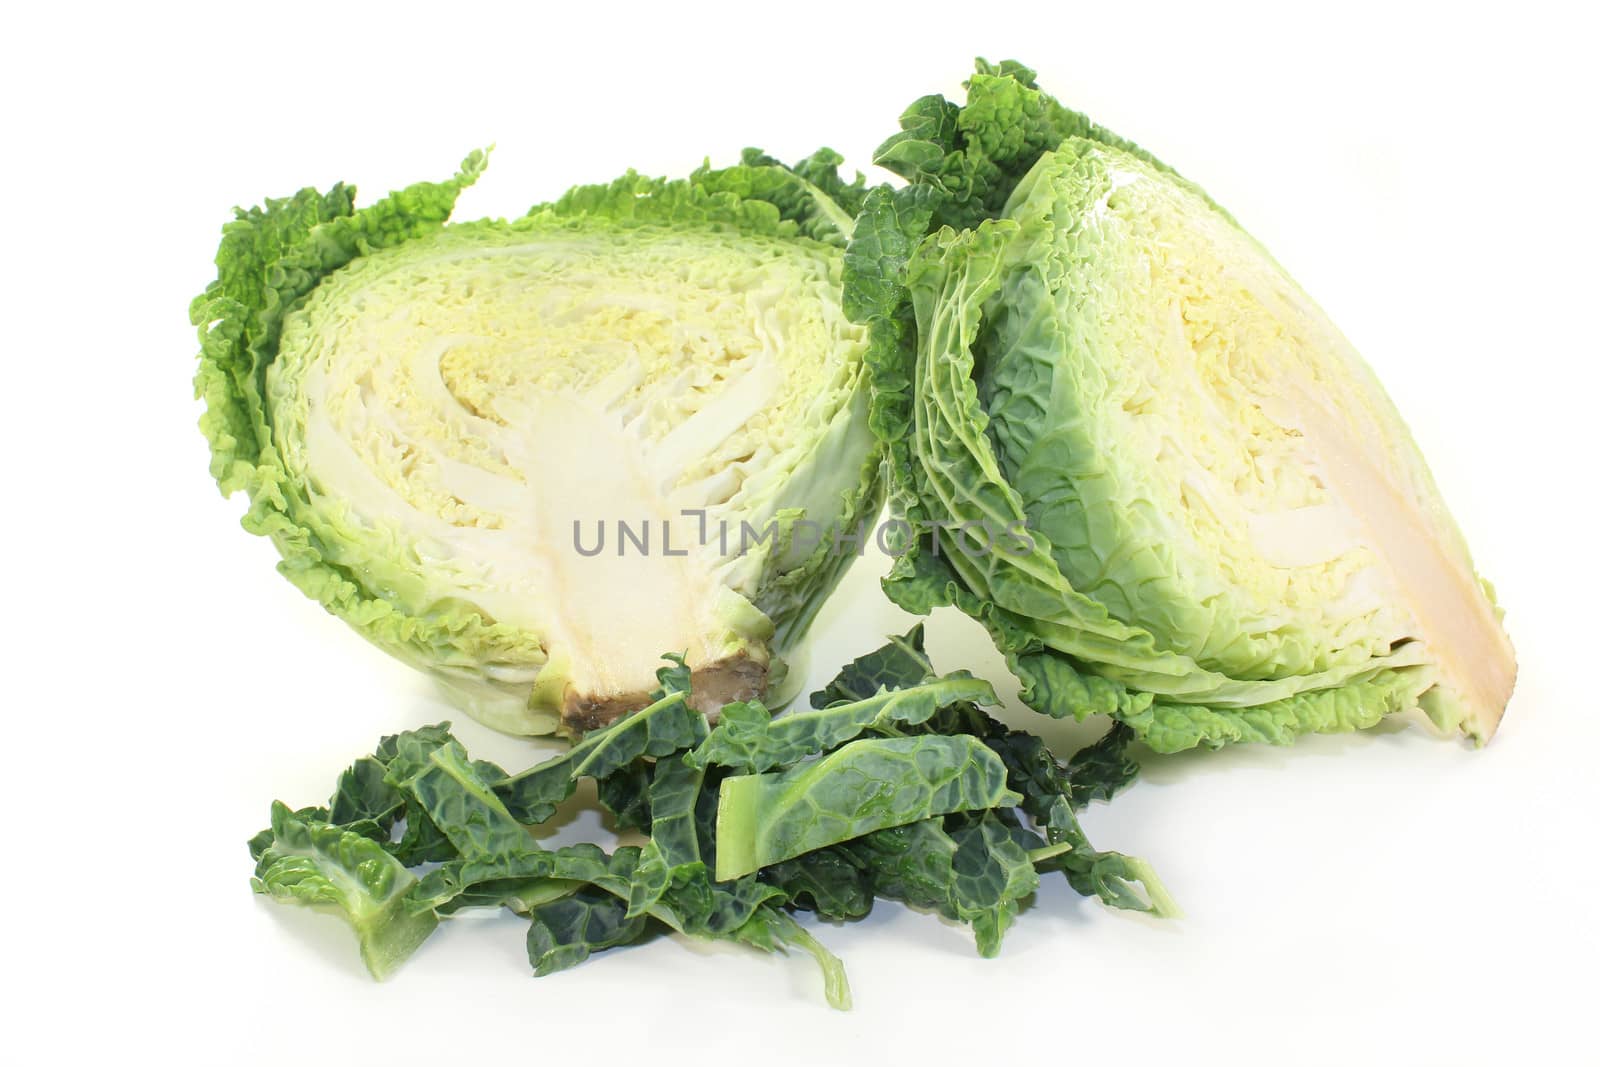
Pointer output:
x,y
517,894
900,664
747,739
465,808
1111,876
665,727
673,852
673,678
626,794
827,881
1102,770
421,841
362,794
974,872
564,932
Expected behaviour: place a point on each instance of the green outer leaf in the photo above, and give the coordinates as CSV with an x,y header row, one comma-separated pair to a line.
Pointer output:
x,y
1102,770
891,225
626,794
827,881
759,196
264,839
673,873
1361,703
719,909
771,930
974,871
466,810
476,878
973,155
1111,876
750,741
661,729
900,664
675,677
520,895
321,866
962,163
362,794
865,786
810,193
673,851
564,932
674,790
422,841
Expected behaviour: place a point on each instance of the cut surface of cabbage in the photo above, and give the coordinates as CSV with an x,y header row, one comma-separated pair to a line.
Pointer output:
x,y
533,457
542,423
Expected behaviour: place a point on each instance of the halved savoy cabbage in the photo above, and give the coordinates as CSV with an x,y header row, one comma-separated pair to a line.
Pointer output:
x,y
445,428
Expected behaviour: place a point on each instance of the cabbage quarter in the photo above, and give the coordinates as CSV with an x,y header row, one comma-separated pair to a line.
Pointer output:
x,y
531,457
1235,537
1215,466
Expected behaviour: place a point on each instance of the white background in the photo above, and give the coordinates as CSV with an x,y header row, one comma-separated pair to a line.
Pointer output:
x,y
1388,898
